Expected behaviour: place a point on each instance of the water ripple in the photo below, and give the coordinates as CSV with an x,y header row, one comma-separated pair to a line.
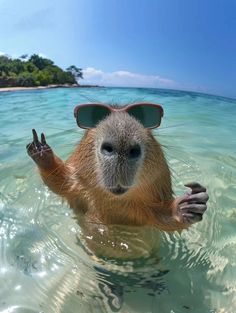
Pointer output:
x,y
42,261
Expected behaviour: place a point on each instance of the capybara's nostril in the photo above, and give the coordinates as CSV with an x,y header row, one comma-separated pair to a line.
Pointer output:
x,y
134,152
107,149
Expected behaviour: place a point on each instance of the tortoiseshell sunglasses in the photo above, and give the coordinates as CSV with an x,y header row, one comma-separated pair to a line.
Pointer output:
x,y
90,114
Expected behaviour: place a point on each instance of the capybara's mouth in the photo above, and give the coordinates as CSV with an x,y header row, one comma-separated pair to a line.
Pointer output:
x,y
118,190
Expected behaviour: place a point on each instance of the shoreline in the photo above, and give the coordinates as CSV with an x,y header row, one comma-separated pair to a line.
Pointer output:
x,y
9,89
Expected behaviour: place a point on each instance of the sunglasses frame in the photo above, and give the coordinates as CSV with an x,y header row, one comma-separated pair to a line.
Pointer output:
x,y
122,109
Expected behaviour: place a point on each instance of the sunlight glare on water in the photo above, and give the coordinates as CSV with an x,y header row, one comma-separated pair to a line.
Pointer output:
x,y
43,265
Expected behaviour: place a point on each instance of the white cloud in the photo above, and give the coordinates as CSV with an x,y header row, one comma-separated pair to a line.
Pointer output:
x,y
125,78
4,53
42,55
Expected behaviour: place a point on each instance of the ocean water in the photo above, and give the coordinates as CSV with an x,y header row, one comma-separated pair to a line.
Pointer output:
x,y
44,268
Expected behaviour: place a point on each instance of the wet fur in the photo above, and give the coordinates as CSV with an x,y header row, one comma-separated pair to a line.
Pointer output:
x,y
135,217
148,202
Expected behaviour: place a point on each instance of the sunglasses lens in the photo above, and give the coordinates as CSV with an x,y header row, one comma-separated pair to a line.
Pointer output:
x,y
89,116
149,116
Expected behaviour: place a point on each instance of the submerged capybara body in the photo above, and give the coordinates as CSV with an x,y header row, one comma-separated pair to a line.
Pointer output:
x,y
118,178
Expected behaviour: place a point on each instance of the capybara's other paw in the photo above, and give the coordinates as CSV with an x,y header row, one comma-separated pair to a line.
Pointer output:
x,y
40,152
190,207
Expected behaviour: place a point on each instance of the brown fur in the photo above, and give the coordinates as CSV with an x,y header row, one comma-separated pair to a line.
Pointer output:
x,y
148,203
118,183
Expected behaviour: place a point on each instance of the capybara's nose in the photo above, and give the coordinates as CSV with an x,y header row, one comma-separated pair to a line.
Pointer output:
x,y
131,152
134,152
108,149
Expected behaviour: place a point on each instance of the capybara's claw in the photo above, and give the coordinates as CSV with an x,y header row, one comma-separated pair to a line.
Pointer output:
x,y
196,187
40,152
191,207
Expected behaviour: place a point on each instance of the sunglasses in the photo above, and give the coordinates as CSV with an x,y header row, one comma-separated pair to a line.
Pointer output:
x,y
90,114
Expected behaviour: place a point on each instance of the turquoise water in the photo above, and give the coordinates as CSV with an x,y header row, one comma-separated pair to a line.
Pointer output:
x,y
43,268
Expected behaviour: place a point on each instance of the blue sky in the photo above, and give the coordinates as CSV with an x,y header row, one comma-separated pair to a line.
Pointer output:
x,y
179,44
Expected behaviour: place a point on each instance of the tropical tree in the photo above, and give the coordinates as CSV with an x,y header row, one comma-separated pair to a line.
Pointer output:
x,y
75,71
35,71
40,62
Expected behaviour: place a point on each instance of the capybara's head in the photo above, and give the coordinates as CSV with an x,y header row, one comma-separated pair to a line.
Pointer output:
x,y
121,144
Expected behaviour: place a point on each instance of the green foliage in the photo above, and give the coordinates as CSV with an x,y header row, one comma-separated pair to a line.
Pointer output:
x,y
39,62
35,71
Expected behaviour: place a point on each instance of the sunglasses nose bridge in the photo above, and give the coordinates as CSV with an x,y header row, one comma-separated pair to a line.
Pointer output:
x,y
117,109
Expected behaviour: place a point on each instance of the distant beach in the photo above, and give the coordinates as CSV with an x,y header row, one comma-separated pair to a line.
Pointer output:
x,y
36,72
8,89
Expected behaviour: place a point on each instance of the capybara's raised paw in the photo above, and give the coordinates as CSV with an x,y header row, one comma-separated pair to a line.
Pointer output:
x,y
40,152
